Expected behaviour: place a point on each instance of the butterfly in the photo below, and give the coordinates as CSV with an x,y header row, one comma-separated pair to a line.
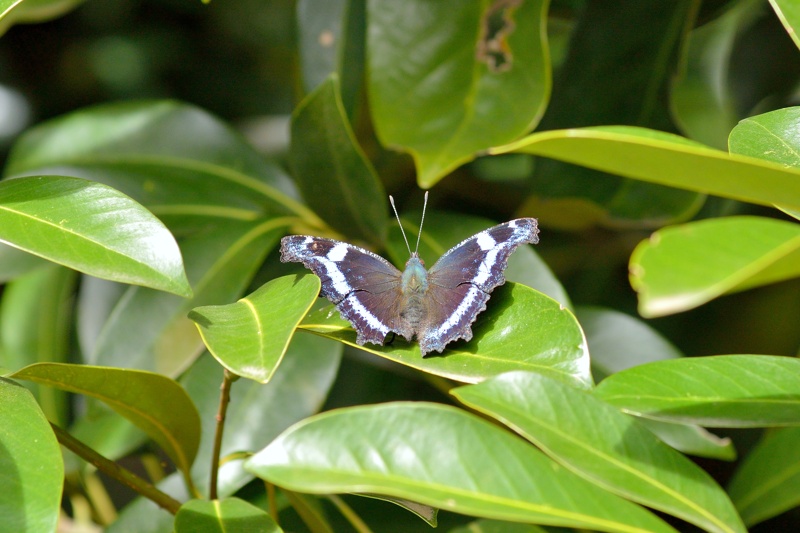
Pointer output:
x,y
435,306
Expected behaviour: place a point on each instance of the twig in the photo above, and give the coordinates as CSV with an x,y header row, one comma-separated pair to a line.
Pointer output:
x,y
224,399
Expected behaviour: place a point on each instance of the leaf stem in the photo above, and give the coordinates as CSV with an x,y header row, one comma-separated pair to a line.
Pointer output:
x,y
115,471
224,399
349,514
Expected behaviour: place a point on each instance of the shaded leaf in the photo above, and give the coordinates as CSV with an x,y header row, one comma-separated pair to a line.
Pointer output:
x,y
92,228
521,329
482,81
600,444
666,159
443,457
334,174
31,469
692,439
27,11
249,337
230,514
156,404
715,391
682,267
768,481
789,14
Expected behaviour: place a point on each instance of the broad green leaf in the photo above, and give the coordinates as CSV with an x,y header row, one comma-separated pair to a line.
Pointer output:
x,y
703,97
331,39
231,514
789,14
682,267
334,174
604,446
443,230
31,469
142,149
692,439
521,329
28,11
496,526
484,80
92,228
151,331
770,136
768,481
618,341
155,403
250,337
443,457
35,327
299,387
666,159
108,433
715,391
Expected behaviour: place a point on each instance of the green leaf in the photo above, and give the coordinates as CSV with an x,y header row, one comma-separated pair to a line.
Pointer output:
x,y
618,341
682,267
770,136
156,404
151,331
35,326
443,230
692,439
92,228
231,514
789,14
334,174
27,11
443,457
666,159
716,391
250,337
483,81
142,149
521,329
617,453
496,526
768,481
704,101
31,468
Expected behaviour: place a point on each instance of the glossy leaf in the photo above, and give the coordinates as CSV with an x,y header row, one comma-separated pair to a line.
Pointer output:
x,y
91,228
666,159
151,331
682,267
208,175
31,469
770,136
768,481
156,404
250,337
618,341
496,526
716,391
27,11
331,169
35,327
789,14
443,457
521,329
231,514
483,81
443,230
600,444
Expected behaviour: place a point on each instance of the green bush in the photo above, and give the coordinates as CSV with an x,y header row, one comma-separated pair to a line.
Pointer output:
x,y
147,324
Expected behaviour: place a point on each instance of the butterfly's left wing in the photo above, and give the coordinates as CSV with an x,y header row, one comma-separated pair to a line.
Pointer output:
x,y
461,280
364,286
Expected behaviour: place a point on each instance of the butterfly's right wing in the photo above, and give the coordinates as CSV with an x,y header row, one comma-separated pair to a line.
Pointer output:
x,y
364,286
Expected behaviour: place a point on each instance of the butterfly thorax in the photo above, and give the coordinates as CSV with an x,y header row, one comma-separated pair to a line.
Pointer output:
x,y
414,286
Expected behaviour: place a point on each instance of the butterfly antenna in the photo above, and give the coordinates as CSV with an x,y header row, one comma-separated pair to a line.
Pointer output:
x,y
391,201
419,235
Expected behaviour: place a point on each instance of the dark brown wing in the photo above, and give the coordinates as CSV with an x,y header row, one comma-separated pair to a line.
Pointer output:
x,y
364,286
